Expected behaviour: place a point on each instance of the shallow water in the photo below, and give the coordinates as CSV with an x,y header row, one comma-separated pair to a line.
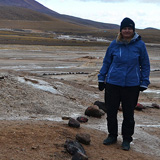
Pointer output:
x,y
39,85
153,93
142,125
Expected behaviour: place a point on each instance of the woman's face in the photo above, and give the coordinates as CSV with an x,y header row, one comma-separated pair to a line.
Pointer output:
x,y
127,32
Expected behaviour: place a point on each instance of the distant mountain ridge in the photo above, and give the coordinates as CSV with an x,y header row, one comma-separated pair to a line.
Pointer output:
x,y
18,13
30,4
36,6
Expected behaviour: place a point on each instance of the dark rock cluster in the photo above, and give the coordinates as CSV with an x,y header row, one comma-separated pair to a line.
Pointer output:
x,y
64,73
76,150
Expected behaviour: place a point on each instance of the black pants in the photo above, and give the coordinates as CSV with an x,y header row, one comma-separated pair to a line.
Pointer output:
x,y
128,97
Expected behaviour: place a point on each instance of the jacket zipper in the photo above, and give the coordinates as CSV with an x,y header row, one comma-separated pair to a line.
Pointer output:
x,y
120,52
110,73
137,75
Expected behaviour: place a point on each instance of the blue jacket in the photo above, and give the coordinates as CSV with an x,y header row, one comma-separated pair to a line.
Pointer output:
x,y
126,64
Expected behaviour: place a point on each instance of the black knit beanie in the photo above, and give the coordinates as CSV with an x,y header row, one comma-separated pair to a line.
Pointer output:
x,y
127,22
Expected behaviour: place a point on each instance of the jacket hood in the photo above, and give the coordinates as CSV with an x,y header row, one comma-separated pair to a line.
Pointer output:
x,y
120,40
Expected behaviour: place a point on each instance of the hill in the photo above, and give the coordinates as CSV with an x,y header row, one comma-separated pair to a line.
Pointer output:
x,y
17,13
13,17
34,5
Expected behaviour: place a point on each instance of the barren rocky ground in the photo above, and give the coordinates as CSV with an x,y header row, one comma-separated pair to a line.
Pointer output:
x,y
41,84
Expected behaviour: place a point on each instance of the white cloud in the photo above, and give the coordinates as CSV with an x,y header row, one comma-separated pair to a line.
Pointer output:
x,y
121,1
144,14
150,1
105,0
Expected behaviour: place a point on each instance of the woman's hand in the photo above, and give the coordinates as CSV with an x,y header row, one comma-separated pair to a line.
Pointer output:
x,y
101,86
142,89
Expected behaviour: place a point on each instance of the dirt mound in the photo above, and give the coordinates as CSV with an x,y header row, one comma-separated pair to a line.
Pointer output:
x,y
45,140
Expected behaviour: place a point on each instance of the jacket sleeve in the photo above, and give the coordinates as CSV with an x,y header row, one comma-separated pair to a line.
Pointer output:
x,y
144,67
106,64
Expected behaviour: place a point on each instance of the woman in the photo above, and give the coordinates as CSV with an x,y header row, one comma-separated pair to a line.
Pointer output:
x,y
125,72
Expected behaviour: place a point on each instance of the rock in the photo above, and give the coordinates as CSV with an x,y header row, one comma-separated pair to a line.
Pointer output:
x,y
73,147
79,156
82,119
102,112
139,107
101,105
1,77
154,105
73,123
66,118
35,147
94,111
83,138
31,80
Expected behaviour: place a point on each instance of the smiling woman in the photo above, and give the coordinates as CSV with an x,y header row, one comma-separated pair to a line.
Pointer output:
x,y
124,73
127,29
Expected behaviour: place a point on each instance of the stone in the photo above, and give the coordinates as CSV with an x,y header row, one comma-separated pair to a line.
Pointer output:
x,y
79,156
94,111
154,105
66,118
83,138
73,147
101,105
73,123
139,107
1,77
82,119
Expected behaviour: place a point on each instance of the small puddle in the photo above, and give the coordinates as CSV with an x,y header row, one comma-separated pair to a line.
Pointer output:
x,y
21,67
143,125
152,93
39,84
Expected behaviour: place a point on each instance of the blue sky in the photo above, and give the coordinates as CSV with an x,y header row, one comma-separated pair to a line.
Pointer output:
x,y
145,13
